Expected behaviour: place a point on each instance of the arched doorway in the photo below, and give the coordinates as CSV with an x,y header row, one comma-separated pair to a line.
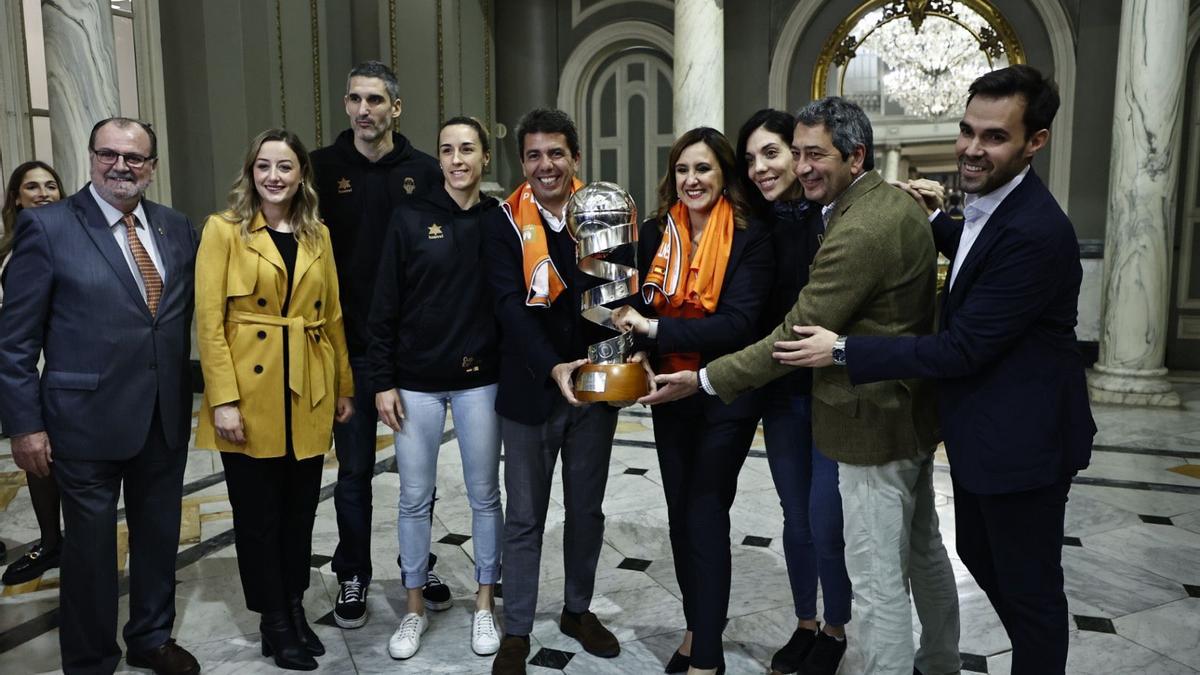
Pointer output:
x,y
617,86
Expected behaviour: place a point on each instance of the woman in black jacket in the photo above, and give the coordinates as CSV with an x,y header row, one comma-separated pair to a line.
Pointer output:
x,y
706,268
433,345
806,480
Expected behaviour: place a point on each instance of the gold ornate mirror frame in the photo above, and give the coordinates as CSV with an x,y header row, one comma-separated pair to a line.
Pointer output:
x,y
998,40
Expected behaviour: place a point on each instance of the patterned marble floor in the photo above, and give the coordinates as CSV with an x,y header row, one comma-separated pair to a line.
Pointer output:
x,y
1132,561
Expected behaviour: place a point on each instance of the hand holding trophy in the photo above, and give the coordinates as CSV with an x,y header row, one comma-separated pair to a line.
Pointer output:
x,y
602,217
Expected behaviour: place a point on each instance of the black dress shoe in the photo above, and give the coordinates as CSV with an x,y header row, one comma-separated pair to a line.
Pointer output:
x,y
679,663
166,659
510,660
31,565
304,632
279,640
791,655
587,629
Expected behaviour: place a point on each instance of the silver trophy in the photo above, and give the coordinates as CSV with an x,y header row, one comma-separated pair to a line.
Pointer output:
x,y
602,217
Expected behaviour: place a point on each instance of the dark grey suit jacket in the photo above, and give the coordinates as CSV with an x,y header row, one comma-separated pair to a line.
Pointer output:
x,y
109,364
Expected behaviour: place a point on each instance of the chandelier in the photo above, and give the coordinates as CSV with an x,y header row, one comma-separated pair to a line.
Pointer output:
x,y
928,82
928,51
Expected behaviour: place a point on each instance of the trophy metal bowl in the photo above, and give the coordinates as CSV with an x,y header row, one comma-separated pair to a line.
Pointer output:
x,y
602,217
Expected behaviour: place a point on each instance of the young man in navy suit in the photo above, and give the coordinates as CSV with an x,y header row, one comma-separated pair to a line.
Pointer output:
x,y
1012,394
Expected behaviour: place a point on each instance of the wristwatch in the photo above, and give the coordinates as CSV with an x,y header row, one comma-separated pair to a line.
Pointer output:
x,y
839,351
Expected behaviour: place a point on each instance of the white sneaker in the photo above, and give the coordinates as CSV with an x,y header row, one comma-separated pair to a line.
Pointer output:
x,y
485,639
407,639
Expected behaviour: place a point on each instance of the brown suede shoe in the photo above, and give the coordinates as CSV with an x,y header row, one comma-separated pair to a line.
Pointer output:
x,y
165,659
595,638
510,660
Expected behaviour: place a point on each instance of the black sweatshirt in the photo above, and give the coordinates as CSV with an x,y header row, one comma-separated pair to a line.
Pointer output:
x,y
796,232
357,200
431,324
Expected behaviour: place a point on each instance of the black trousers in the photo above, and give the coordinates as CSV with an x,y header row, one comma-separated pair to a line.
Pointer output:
x,y
700,461
274,505
153,482
1012,545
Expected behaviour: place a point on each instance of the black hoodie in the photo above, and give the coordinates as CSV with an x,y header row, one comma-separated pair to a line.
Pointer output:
x,y
357,199
432,326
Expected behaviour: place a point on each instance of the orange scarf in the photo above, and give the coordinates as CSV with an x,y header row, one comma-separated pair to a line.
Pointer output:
x,y
526,220
693,291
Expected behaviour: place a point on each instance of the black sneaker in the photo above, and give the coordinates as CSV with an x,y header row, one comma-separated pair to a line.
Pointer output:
x,y
436,594
791,655
350,608
825,655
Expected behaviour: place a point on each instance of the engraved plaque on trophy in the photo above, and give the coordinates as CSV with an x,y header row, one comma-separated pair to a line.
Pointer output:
x,y
602,217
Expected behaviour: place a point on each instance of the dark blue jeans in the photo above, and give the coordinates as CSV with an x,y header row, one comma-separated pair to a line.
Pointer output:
x,y
807,483
354,443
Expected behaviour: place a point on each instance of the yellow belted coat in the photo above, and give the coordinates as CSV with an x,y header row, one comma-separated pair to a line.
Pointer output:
x,y
240,288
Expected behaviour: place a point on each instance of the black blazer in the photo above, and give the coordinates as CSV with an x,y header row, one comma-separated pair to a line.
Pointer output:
x,y
109,363
1012,393
535,339
736,321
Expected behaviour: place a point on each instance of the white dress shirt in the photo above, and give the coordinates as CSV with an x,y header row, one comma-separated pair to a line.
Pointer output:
x,y
541,276
113,216
977,209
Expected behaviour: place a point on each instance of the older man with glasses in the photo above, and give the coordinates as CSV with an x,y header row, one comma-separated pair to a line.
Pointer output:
x,y
101,284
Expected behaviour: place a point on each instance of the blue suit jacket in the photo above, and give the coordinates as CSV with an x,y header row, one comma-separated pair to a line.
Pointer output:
x,y
109,363
1012,393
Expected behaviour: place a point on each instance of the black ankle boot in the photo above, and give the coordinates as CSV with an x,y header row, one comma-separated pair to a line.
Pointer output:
x,y
303,631
279,639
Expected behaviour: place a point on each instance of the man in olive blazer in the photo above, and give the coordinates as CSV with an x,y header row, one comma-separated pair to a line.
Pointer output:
x,y
875,271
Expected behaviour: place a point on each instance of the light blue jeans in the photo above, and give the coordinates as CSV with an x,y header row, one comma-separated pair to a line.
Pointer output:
x,y
478,429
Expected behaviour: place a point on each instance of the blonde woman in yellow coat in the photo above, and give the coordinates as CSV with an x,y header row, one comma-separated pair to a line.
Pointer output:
x,y
276,376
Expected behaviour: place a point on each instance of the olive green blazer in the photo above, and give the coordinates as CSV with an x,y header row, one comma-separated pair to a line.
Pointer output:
x,y
875,274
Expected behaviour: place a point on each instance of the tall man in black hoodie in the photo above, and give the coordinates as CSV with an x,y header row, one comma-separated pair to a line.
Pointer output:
x,y
367,172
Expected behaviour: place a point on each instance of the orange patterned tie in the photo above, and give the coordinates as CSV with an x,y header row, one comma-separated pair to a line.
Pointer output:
x,y
144,263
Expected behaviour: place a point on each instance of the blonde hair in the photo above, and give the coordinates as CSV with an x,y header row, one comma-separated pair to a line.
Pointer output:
x,y
244,202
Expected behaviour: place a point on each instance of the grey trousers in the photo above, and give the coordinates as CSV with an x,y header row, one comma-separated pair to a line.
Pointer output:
x,y
583,436
892,543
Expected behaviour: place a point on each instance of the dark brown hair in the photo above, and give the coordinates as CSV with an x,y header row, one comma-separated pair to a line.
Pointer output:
x,y
734,192
11,207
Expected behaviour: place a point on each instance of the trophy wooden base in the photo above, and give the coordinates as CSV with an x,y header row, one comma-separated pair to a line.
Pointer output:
x,y
610,382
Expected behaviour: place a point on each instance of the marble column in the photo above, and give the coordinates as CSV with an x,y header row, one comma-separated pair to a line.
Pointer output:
x,y
699,64
1143,179
81,71
526,73
891,163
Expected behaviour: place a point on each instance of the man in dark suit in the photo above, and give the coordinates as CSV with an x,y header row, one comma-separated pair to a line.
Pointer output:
x,y
537,286
101,284
1013,399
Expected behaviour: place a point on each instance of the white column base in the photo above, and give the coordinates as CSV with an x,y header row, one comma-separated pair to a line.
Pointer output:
x,y
1126,386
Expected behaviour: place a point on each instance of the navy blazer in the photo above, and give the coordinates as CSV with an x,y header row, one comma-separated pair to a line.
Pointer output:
x,y
735,323
1012,393
535,339
109,363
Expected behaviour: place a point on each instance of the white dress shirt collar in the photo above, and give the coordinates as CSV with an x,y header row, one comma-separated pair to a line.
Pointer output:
x,y
985,205
113,215
977,210
555,222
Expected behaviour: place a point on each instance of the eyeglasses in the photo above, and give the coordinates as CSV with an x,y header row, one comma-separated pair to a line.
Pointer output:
x,y
132,160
